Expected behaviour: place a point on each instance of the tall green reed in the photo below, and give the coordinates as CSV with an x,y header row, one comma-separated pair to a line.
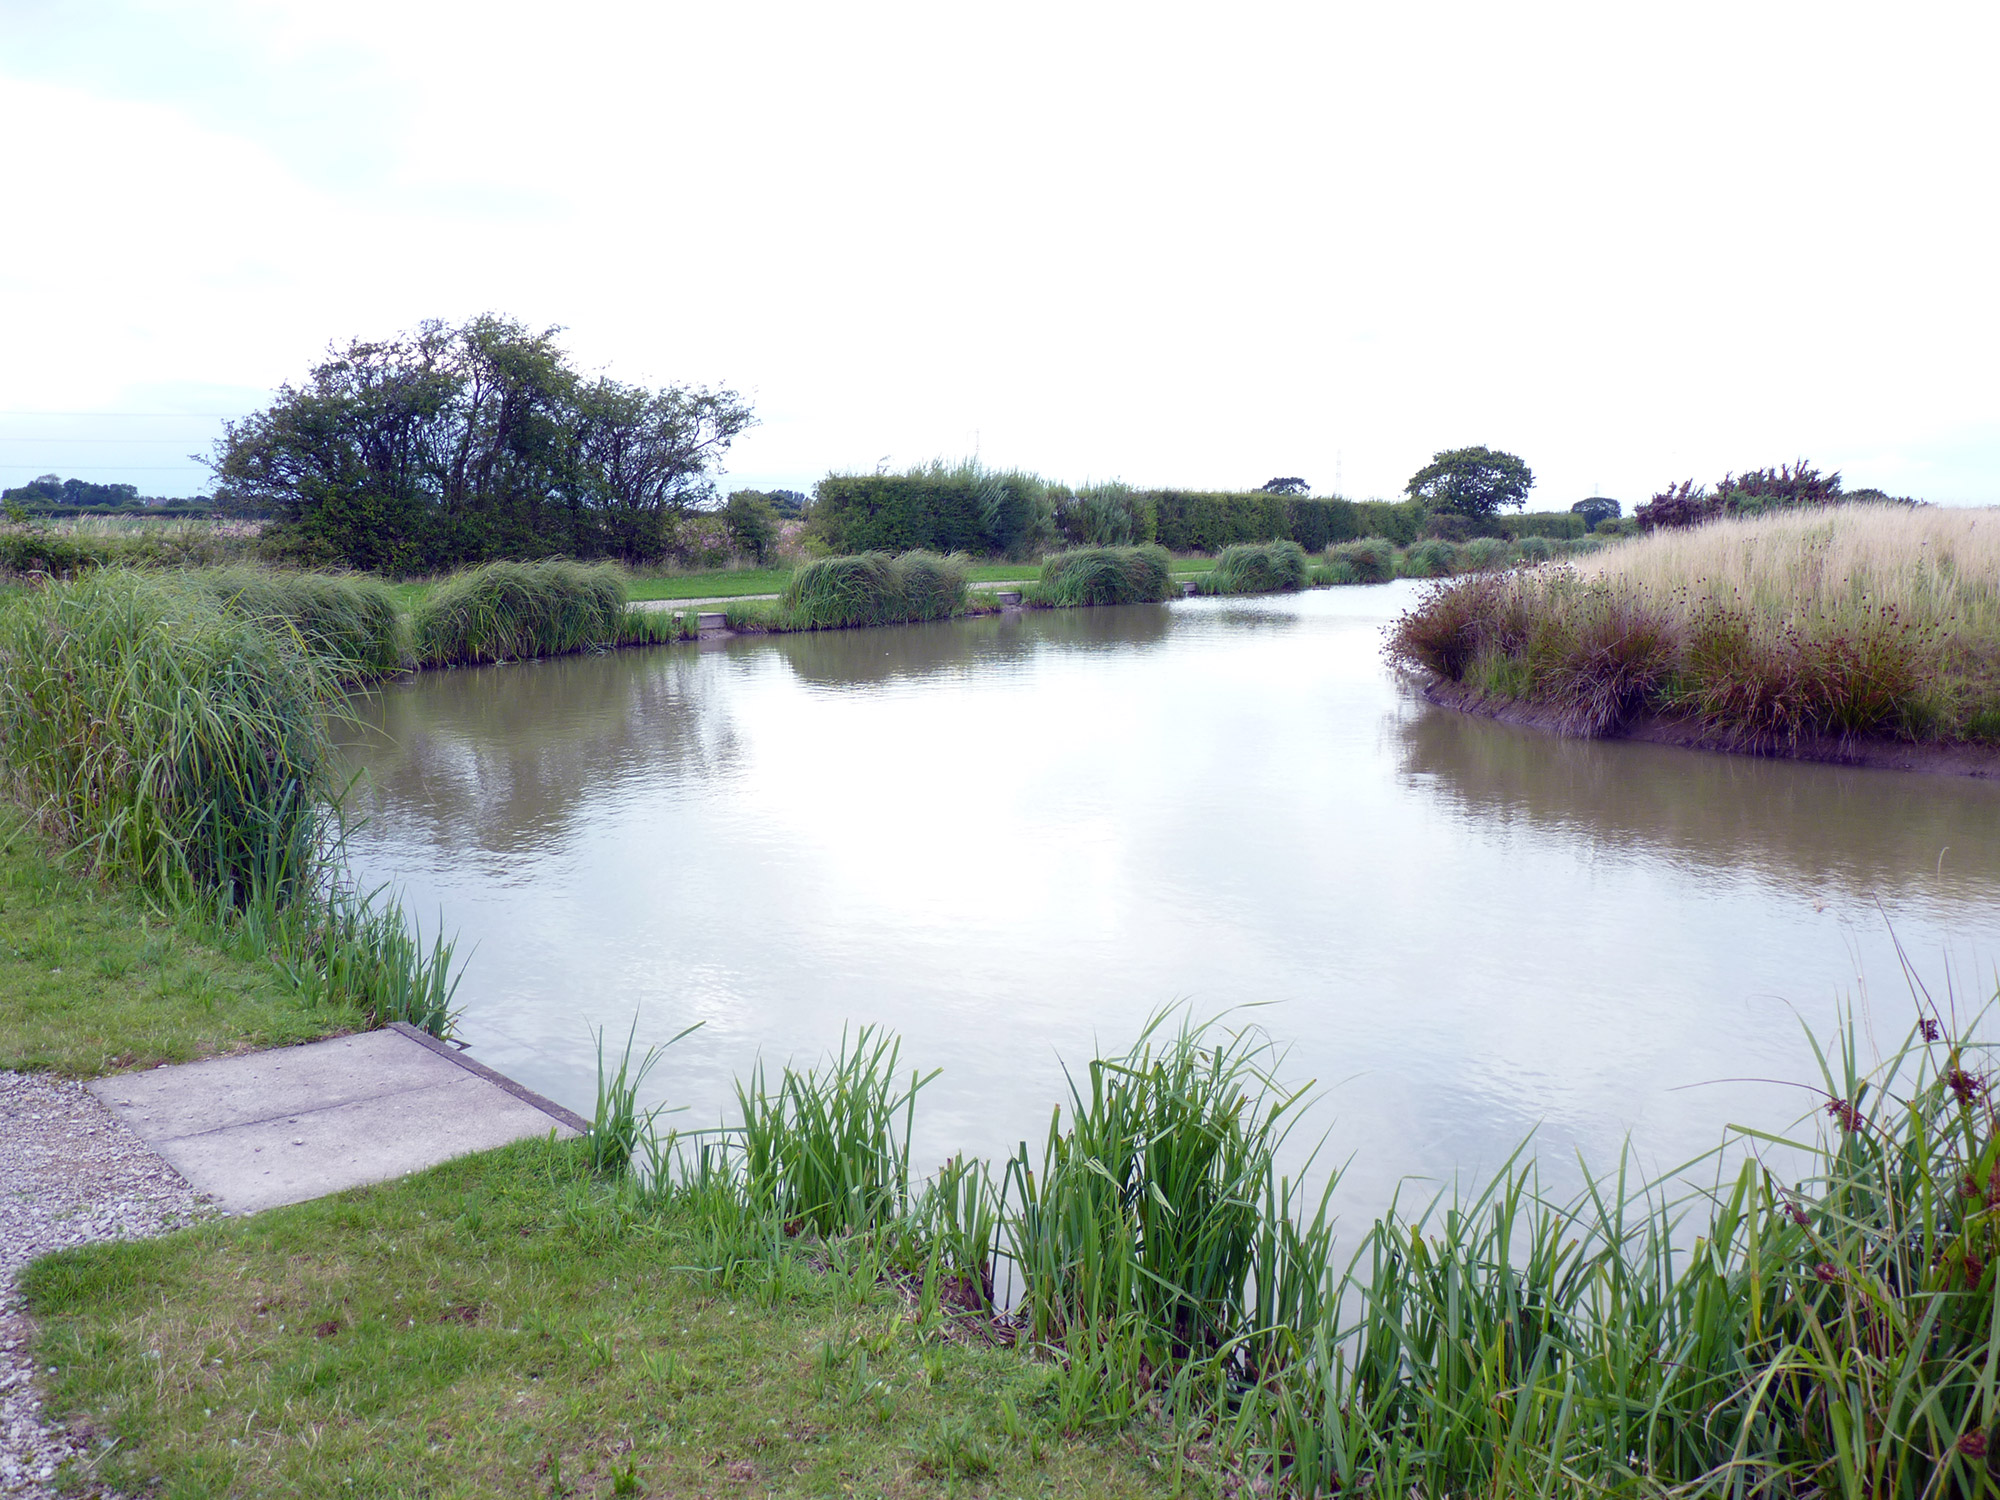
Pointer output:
x,y
166,739
829,1150
516,611
1256,568
873,588
1104,575
350,619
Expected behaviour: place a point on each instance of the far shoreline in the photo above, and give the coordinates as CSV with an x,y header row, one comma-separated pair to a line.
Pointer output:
x,y
1873,752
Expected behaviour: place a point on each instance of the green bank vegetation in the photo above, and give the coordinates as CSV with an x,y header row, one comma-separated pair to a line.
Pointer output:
x,y
516,612
780,1301
164,733
1257,568
1103,575
1763,631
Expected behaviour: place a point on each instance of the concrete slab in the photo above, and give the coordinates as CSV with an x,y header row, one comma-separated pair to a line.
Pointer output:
x,y
295,1123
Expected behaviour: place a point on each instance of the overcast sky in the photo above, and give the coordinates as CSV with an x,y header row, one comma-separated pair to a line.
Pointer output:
x,y
1176,245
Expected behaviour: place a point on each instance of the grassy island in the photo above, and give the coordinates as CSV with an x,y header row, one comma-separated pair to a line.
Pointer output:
x,y
1782,633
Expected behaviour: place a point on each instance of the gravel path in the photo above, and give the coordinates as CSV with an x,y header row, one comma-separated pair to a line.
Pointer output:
x,y
69,1174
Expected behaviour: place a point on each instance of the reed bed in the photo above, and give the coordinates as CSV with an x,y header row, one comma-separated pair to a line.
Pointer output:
x,y
517,611
1104,575
161,736
1762,632
1735,1337
873,588
349,618
1256,568
1837,1334
168,740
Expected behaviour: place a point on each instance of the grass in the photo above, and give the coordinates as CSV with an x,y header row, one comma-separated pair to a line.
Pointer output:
x,y
519,1323
94,977
354,619
1764,631
511,1324
1257,568
873,588
169,740
518,611
1104,575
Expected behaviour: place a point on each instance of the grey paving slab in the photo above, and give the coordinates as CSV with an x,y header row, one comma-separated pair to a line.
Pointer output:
x,y
295,1123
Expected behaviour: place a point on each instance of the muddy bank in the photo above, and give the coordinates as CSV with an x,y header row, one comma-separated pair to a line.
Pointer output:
x,y
1663,729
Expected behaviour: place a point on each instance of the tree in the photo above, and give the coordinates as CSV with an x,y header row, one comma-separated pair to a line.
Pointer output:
x,y
1472,482
454,444
752,523
1596,510
1292,485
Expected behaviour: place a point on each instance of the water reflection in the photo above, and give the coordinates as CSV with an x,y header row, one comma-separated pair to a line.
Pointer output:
x,y
1820,829
1012,839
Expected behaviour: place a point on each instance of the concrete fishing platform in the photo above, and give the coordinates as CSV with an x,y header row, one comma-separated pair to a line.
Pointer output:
x,y
267,1128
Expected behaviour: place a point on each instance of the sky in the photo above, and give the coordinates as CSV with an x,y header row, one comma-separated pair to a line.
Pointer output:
x,y
1175,245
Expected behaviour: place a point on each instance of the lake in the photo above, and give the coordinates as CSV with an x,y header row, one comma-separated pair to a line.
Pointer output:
x,y
1012,839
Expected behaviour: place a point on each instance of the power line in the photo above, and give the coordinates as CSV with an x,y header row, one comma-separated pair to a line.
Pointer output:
x,y
113,468
192,416
54,441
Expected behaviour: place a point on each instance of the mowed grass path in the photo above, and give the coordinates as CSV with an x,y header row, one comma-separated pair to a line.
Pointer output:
x,y
506,1325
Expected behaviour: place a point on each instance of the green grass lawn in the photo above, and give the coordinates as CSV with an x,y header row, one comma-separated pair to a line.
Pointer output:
x,y
93,979
506,1325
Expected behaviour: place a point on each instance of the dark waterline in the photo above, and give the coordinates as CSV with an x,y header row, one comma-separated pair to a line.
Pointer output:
x,y
1011,839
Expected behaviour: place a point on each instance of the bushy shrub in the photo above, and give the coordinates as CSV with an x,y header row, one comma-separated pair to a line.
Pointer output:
x,y
1105,575
175,742
351,618
1256,568
873,588
1370,560
515,611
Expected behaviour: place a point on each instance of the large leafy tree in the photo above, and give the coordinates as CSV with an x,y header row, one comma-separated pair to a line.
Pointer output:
x,y
452,444
1471,482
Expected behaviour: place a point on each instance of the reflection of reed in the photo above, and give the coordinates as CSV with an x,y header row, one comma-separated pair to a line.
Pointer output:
x,y
912,653
501,758
1865,832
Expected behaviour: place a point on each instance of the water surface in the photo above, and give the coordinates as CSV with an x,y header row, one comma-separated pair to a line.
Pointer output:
x,y
1012,839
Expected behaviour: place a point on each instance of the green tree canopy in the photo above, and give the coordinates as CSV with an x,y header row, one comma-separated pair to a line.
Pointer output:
x,y
1597,510
457,444
1471,482
1289,484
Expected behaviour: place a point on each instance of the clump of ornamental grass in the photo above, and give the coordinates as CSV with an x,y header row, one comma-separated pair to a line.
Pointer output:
x,y
351,618
1764,632
516,611
164,738
1370,560
873,588
1256,568
1104,575
1434,557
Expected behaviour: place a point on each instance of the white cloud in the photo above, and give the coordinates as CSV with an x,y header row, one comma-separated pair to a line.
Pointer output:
x,y
1185,245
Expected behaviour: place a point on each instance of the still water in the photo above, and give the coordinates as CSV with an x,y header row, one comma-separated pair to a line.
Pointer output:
x,y
1012,839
